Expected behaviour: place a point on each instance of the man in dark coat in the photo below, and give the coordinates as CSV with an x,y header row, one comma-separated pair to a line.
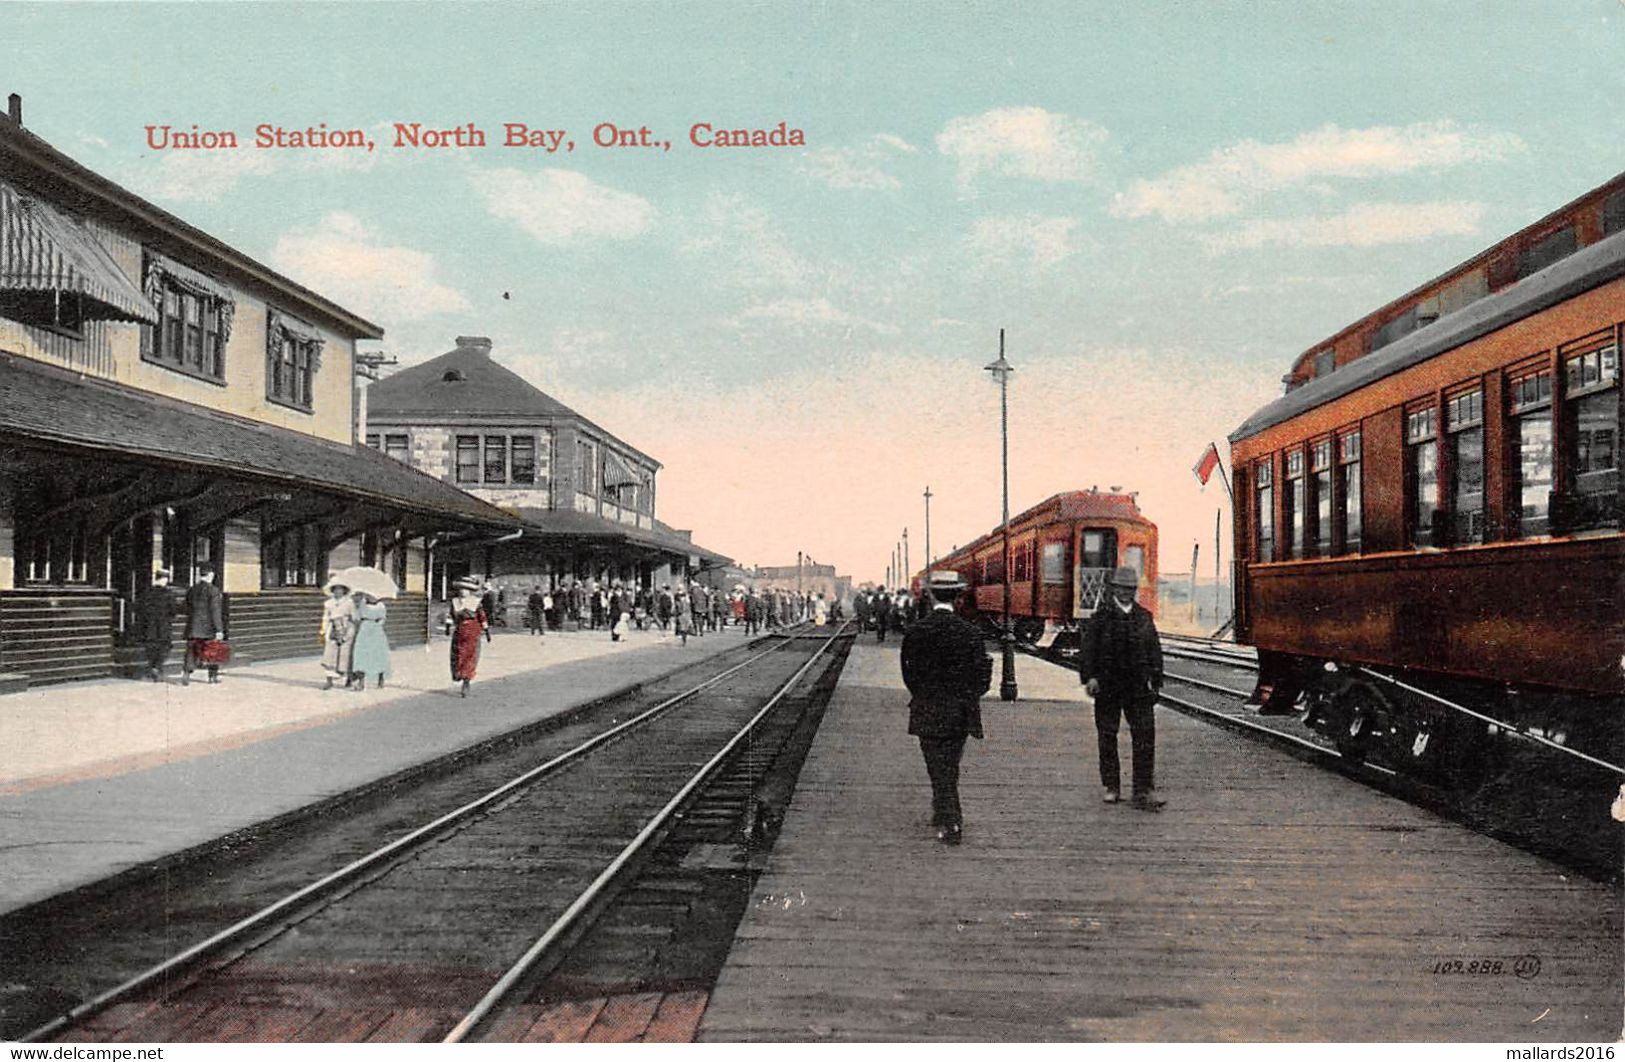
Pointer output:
x,y
880,608
1120,662
534,606
155,617
663,607
205,621
946,669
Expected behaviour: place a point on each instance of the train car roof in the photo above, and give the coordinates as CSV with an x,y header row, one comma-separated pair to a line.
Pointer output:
x,y
1564,279
1071,505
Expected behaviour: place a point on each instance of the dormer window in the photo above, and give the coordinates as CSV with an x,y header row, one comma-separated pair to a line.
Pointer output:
x,y
453,376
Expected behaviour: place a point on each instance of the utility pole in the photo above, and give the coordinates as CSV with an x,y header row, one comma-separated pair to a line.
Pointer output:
x,y
928,528
908,570
1001,371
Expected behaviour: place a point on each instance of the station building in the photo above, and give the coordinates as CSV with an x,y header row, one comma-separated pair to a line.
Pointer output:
x,y
168,401
806,578
584,498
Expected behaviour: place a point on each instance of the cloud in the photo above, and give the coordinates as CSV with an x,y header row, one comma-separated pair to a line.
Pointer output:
x,y
1023,142
1233,177
1023,240
339,257
744,245
861,167
807,314
560,207
1364,225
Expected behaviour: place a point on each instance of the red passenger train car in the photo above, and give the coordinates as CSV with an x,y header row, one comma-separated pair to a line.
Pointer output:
x,y
1062,552
1432,512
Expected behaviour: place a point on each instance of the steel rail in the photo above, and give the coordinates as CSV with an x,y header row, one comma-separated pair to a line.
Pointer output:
x,y
259,919
1494,722
1274,734
607,876
1203,684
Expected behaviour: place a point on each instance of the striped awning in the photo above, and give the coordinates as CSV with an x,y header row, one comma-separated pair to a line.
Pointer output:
x,y
617,473
42,249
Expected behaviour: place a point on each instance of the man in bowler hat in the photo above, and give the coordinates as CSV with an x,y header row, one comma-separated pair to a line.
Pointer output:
x,y
946,669
1120,663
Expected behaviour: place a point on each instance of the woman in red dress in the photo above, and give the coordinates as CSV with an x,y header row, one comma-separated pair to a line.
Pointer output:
x,y
468,622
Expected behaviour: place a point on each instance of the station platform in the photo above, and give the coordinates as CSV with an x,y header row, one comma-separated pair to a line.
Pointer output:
x,y
100,776
1269,901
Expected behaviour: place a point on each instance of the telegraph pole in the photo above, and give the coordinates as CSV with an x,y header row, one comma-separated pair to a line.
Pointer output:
x,y
928,528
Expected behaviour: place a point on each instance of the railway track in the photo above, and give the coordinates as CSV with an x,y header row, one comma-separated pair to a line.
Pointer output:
x,y
1528,794
385,947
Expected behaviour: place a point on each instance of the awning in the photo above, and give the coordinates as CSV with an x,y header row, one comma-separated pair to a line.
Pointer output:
x,y
616,471
44,250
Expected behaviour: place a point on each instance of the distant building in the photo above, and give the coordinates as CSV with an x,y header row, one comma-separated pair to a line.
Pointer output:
x,y
807,577
585,498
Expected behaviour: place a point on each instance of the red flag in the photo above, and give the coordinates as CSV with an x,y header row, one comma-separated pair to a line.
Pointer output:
x,y
1210,460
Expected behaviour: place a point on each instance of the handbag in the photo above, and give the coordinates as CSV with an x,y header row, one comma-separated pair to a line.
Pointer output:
x,y
213,653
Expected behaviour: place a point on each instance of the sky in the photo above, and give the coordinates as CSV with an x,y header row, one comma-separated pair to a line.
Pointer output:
x,y
1162,204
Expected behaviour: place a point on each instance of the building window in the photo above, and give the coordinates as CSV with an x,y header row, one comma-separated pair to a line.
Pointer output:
x,y
293,357
1464,430
1348,491
194,320
1591,438
396,446
1421,474
1293,505
1325,363
468,458
496,459
372,440
1320,501
1264,521
1529,408
524,459
587,465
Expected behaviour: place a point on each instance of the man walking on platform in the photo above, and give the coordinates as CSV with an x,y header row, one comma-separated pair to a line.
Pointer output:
x,y
155,615
1120,663
881,608
946,669
205,623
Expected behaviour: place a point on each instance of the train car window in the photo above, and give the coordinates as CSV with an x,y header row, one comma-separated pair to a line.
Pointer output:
x,y
1020,555
1349,507
1054,563
1529,407
1265,524
1421,474
1325,363
1320,487
1292,506
1464,428
1099,549
1134,557
1592,438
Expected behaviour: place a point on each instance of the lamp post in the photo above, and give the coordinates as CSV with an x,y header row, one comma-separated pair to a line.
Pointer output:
x,y
1001,371
928,529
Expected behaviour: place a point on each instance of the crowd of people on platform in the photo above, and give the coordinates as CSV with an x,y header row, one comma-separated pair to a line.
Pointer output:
x,y
683,609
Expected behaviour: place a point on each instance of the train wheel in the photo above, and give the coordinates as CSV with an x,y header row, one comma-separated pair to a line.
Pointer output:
x,y
1360,708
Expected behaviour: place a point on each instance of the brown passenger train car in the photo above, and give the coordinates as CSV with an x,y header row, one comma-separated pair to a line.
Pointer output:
x,y
1062,552
1436,499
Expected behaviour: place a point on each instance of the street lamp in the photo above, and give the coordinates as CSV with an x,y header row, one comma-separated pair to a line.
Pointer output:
x,y
928,530
1001,371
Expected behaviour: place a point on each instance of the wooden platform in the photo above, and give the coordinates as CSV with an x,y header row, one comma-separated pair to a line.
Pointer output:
x,y
1271,900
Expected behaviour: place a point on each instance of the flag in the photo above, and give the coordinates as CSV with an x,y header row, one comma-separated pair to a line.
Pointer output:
x,y
1209,461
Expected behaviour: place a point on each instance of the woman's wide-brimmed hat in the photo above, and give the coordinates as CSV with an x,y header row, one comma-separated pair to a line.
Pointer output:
x,y
466,584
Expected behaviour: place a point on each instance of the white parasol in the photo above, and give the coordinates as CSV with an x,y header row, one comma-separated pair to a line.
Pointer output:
x,y
368,581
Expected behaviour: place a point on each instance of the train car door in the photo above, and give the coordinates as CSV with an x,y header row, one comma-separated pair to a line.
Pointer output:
x,y
1097,556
